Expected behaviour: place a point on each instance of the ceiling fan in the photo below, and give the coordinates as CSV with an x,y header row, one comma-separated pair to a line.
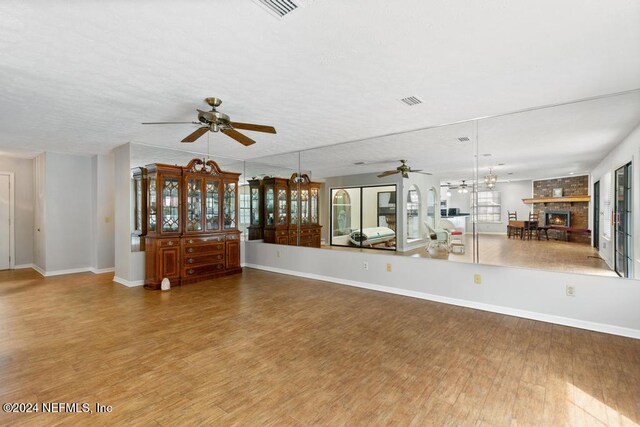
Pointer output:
x,y
403,169
215,121
462,188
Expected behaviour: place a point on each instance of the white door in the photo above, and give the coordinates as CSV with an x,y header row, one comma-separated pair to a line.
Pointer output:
x,y
4,222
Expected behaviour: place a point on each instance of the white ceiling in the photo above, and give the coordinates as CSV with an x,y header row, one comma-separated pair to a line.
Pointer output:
x,y
81,76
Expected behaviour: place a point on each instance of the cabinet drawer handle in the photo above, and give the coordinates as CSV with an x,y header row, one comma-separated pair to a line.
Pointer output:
x,y
190,261
190,240
220,246
190,271
190,250
170,243
219,266
219,256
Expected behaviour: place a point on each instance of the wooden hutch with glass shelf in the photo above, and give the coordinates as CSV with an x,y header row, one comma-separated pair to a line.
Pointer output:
x,y
192,223
256,209
303,212
276,211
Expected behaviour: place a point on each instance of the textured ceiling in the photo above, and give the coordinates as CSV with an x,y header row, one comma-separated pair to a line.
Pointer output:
x,y
80,76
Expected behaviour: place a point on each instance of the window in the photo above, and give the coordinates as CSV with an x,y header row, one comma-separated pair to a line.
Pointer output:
x,y
488,209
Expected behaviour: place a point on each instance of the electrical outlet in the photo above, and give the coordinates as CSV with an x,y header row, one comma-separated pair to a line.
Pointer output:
x,y
571,291
278,254
365,265
477,279
389,269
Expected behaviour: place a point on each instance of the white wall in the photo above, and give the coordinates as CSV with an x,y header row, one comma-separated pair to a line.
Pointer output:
x,y
39,236
24,206
627,151
458,200
67,220
103,187
601,303
511,195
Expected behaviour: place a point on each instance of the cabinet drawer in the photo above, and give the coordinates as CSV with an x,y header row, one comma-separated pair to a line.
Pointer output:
x,y
203,269
164,243
200,240
202,259
233,237
201,249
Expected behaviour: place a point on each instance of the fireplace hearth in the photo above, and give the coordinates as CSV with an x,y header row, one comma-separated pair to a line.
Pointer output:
x,y
561,218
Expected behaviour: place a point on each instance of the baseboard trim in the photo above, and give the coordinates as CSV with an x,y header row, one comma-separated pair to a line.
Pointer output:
x,y
127,283
102,270
45,273
23,266
548,318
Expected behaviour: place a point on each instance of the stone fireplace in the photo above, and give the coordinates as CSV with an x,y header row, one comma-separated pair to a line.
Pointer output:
x,y
562,218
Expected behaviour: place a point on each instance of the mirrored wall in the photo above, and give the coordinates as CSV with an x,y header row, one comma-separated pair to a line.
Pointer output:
x,y
552,188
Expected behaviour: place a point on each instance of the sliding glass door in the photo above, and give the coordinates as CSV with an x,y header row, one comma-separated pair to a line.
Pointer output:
x,y
623,222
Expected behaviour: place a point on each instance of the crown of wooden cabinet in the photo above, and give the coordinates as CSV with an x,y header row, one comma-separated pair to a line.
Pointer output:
x,y
192,223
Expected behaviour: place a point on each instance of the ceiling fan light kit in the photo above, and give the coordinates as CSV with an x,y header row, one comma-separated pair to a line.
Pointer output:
x,y
215,121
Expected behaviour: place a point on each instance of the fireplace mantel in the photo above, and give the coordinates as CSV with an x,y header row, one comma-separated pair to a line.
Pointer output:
x,y
567,199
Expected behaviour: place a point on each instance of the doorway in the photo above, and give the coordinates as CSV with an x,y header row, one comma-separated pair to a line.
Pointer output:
x,y
596,215
623,218
6,221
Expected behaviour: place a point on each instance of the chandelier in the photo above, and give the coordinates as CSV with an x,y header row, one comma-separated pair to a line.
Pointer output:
x,y
490,179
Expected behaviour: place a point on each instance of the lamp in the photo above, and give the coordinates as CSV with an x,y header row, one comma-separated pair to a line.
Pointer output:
x,y
490,179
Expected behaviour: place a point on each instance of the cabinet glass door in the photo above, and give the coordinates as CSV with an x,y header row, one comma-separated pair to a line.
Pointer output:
x,y
194,204
282,206
229,207
212,206
294,207
255,206
170,204
304,206
314,206
269,203
153,208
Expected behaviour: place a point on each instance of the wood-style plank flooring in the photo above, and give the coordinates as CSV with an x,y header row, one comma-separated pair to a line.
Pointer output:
x,y
497,249
268,349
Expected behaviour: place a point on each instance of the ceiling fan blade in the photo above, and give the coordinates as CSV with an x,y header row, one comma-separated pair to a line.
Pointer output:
x,y
195,135
244,140
424,173
169,123
387,173
256,128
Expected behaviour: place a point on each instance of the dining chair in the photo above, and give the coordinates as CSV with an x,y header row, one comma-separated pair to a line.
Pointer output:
x,y
513,216
532,226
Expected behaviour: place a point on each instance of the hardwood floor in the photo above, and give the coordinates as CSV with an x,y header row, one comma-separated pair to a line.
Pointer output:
x,y
268,349
497,249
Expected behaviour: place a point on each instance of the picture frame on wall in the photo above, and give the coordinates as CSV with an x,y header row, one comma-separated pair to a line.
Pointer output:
x,y
557,192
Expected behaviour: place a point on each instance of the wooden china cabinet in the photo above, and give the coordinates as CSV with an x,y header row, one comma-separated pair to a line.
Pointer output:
x,y
256,209
276,210
192,223
303,211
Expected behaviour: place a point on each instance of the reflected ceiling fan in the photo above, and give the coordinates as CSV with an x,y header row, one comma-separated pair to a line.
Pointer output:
x,y
462,188
403,169
215,121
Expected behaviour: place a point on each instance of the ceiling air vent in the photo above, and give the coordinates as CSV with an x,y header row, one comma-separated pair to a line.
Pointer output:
x,y
281,8
411,100
463,139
